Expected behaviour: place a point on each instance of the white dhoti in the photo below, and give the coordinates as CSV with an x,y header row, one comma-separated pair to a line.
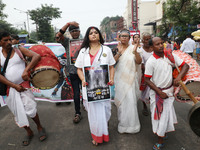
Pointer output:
x,y
98,115
21,105
168,116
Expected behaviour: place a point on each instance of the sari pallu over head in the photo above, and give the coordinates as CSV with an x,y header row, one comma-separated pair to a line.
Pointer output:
x,y
126,73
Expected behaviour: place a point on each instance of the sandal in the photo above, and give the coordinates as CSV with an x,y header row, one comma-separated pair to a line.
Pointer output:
x,y
158,146
77,118
42,135
27,139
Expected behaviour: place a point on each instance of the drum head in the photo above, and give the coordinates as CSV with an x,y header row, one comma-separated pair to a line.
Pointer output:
x,y
194,119
45,79
193,86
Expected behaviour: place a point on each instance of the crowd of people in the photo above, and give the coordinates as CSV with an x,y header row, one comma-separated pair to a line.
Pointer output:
x,y
139,71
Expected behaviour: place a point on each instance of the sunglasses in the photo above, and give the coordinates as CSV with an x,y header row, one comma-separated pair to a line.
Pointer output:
x,y
57,37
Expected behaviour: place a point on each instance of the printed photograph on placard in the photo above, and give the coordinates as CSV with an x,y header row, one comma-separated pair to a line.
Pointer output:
x,y
97,78
74,48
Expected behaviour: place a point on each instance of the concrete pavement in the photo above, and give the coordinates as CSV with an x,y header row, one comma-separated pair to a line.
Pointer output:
x,y
64,135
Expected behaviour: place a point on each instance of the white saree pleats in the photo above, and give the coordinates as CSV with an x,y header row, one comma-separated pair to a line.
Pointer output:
x,y
98,115
127,93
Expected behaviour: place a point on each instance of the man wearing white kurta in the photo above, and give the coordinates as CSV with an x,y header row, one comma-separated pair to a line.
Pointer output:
x,y
158,76
188,45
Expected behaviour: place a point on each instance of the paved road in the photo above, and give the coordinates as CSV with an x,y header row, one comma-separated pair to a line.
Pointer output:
x,y
64,135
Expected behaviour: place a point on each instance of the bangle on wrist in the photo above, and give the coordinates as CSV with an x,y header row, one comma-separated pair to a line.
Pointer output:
x,y
61,31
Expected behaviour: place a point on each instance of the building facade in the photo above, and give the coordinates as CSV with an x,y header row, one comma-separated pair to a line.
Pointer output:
x,y
146,15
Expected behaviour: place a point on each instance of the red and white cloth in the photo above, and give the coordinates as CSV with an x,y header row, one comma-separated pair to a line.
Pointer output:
x,y
193,73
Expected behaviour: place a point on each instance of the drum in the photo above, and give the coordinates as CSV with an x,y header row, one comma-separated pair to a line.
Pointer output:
x,y
194,118
45,74
192,81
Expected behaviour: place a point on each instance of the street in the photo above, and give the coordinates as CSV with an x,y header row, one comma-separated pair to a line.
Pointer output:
x,y
64,135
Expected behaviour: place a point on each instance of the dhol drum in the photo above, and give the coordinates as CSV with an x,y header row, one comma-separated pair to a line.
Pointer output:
x,y
45,74
192,89
192,81
194,118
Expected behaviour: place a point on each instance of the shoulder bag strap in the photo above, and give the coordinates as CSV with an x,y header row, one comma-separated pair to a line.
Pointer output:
x,y
6,62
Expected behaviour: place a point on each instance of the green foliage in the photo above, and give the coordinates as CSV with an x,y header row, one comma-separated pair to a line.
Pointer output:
x,y
183,14
42,17
2,6
107,20
33,35
22,32
32,41
4,26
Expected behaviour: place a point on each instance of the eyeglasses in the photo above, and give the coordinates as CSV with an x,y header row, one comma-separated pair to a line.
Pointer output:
x,y
125,36
57,37
75,30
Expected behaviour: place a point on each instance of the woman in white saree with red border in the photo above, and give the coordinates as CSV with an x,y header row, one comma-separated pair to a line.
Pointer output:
x,y
95,54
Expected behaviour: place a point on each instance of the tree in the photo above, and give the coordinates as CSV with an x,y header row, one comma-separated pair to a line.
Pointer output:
x,y
110,26
42,17
183,15
2,6
164,28
4,26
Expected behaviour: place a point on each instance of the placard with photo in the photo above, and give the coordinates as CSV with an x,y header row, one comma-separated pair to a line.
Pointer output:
x,y
97,78
74,48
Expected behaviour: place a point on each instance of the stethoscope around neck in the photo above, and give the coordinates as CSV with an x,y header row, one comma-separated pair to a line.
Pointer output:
x,y
99,55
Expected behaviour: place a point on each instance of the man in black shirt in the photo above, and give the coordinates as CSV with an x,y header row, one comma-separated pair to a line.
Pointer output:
x,y
75,81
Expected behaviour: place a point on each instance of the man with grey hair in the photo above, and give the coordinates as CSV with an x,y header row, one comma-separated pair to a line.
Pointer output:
x,y
146,53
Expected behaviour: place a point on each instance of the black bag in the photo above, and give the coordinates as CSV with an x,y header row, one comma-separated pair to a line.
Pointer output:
x,y
3,87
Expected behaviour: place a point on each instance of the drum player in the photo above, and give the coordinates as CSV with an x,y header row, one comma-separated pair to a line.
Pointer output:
x,y
158,76
75,81
20,99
